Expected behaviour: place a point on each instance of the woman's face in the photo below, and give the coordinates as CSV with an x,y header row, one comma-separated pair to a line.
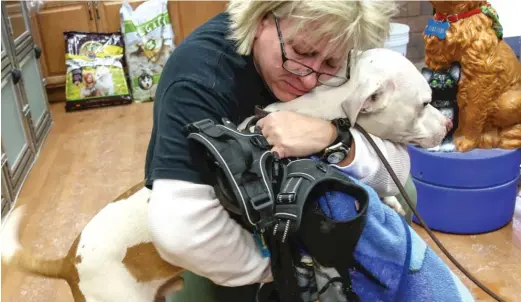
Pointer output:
x,y
268,58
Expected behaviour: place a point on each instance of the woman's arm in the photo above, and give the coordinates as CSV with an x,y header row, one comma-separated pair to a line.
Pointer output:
x,y
294,134
191,229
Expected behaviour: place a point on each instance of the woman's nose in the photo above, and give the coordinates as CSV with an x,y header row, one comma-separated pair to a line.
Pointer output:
x,y
310,81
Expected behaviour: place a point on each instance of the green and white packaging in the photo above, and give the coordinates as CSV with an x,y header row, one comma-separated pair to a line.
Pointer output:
x,y
149,41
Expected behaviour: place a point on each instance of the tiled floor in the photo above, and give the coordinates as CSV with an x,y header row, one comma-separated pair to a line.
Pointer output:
x,y
90,157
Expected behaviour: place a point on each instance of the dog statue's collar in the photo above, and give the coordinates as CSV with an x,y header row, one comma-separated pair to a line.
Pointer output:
x,y
456,17
486,9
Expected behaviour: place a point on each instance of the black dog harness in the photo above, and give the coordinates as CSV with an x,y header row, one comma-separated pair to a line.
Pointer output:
x,y
276,198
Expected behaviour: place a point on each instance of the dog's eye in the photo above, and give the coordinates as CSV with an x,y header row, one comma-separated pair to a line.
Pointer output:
x,y
374,97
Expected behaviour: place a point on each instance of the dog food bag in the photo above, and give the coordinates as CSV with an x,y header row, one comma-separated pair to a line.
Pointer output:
x,y
95,75
149,41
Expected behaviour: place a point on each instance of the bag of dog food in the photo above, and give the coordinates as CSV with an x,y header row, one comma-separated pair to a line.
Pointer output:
x,y
149,41
95,75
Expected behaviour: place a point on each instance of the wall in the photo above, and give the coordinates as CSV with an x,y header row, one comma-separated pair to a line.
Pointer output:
x,y
415,14
508,11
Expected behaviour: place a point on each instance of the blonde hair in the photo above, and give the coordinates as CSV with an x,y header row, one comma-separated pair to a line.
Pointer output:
x,y
358,24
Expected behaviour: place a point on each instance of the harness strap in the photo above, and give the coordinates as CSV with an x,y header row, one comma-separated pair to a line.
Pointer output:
x,y
283,269
242,164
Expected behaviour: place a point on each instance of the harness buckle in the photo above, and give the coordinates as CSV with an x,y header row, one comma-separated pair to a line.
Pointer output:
x,y
261,201
286,198
260,141
199,126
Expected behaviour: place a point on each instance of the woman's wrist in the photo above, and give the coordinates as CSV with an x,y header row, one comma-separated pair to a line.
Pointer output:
x,y
332,136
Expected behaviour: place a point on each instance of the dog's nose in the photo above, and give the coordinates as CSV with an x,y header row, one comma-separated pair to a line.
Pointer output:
x,y
448,124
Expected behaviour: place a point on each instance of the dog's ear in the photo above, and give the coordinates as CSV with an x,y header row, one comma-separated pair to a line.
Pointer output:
x,y
370,97
426,73
455,71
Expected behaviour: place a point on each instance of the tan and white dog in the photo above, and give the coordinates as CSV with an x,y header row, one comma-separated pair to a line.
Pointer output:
x,y
386,94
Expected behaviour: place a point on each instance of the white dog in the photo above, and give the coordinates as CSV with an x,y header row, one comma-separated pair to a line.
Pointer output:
x,y
385,94
104,81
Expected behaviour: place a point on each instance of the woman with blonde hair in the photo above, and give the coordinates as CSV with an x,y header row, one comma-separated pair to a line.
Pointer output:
x,y
256,53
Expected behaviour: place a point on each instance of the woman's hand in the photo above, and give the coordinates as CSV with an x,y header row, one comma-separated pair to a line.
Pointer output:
x,y
292,134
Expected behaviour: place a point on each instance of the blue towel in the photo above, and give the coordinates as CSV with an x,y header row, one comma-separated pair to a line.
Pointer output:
x,y
394,253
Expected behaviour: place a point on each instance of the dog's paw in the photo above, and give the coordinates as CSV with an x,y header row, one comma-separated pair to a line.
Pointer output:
x,y
464,144
394,204
448,147
434,149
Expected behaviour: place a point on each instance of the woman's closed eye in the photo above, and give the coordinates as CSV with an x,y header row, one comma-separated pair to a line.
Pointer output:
x,y
303,53
331,63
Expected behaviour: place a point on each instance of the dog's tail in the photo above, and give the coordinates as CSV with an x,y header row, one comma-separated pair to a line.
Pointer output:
x,y
13,253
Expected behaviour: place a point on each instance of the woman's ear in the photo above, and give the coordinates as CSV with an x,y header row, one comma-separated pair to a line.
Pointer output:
x,y
261,26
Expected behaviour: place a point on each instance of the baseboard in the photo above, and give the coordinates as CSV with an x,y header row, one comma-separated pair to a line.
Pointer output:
x,y
56,94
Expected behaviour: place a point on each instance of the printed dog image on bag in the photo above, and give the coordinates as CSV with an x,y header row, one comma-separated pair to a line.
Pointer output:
x,y
145,81
95,75
149,41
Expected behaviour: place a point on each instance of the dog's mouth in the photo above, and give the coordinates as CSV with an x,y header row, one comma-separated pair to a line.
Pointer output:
x,y
428,142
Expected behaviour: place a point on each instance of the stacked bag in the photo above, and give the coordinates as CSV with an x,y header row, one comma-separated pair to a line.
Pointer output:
x,y
95,75
149,41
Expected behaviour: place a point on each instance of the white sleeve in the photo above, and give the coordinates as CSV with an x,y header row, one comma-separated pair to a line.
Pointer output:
x,y
191,229
368,168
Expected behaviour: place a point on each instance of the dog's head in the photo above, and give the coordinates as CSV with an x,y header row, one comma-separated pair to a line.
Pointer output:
x,y
455,7
390,98
145,81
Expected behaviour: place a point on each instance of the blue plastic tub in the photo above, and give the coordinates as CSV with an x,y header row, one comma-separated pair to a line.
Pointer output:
x,y
466,193
474,169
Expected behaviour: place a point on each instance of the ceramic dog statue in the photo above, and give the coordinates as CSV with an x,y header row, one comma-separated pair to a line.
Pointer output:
x,y
115,247
489,95
444,85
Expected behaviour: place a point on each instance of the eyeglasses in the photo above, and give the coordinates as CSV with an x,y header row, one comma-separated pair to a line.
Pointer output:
x,y
302,70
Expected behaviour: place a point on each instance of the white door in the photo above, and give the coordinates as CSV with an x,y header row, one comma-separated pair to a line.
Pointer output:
x,y
16,135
